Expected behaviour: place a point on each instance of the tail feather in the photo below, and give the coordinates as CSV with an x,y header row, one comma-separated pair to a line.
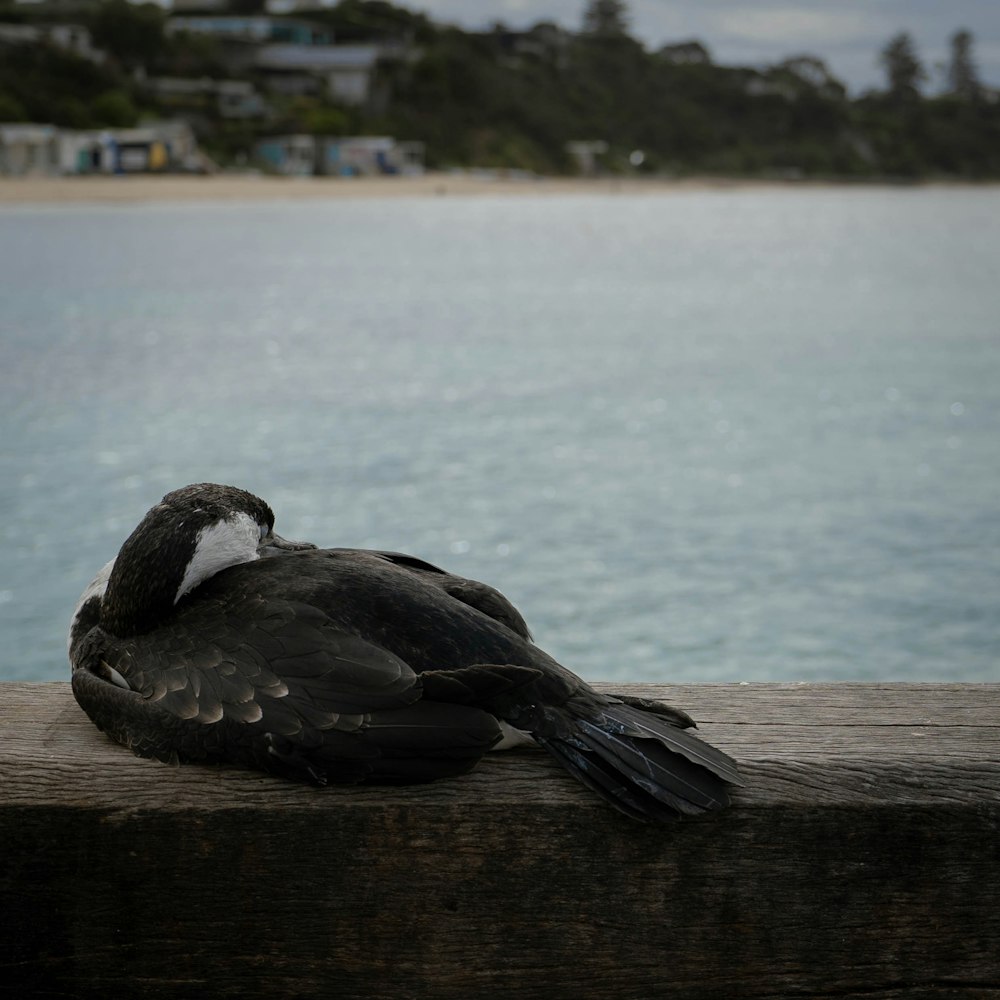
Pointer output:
x,y
658,770
694,749
602,778
642,764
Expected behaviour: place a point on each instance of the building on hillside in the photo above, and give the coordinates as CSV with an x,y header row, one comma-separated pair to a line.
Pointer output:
x,y
294,6
297,56
347,70
236,100
73,38
260,28
20,34
77,39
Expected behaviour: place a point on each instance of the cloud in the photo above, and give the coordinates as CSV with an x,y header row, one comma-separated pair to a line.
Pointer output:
x,y
788,25
756,32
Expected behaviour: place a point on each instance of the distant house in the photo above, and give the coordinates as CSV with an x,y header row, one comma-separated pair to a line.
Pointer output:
x,y
73,38
232,99
20,34
347,69
259,29
296,55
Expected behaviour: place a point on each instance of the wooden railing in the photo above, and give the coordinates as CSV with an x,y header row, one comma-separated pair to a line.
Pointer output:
x,y
861,860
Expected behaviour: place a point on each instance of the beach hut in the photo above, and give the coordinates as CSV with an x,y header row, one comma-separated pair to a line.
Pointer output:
x,y
87,152
29,150
290,155
369,155
155,148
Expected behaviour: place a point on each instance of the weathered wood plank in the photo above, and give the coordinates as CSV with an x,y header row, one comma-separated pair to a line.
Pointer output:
x,y
863,858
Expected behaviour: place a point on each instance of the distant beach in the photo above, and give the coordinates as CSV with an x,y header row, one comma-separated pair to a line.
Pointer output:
x,y
236,187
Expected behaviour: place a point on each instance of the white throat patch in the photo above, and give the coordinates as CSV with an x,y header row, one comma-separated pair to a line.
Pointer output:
x,y
95,588
220,545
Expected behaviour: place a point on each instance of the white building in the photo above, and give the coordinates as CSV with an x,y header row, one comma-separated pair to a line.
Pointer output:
x,y
348,69
297,55
233,99
73,38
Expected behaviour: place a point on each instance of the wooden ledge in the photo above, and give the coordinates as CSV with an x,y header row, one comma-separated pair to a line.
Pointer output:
x,y
862,858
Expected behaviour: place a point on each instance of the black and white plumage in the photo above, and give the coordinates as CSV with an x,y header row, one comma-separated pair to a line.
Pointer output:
x,y
345,665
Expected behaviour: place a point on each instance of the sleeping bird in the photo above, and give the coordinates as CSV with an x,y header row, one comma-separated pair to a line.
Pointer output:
x,y
210,638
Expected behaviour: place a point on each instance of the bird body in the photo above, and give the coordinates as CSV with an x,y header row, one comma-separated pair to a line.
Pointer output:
x,y
211,639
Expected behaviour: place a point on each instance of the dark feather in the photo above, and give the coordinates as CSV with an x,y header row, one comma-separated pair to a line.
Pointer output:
x,y
641,762
477,685
476,595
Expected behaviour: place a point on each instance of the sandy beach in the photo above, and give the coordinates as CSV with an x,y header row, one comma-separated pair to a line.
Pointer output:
x,y
237,187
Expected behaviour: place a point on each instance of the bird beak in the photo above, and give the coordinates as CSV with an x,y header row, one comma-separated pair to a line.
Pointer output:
x,y
273,545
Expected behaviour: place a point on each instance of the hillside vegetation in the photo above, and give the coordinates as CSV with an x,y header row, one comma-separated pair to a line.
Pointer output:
x,y
514,100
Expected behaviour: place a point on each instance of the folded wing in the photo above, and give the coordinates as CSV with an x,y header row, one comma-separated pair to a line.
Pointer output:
x,y
274,683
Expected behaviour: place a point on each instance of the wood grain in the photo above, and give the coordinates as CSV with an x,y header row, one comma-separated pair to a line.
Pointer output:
x,y
862,859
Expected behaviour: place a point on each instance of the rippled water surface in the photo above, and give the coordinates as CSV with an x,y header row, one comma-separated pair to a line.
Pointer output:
x,y
743,435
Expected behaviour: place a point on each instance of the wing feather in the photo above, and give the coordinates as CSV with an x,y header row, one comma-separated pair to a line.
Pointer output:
x,y
277,684
481,596
265,662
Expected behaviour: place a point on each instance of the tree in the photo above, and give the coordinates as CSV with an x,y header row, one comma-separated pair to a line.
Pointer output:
x,y
686,53
114,108
367,20
133,34
248,8
606,18
963,80
11,109
903,67
810,69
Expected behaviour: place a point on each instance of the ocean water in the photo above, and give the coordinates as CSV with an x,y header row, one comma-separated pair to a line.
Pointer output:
x,y
719,436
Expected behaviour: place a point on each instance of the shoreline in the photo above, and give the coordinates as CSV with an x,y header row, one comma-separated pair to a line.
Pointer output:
x,y
250,187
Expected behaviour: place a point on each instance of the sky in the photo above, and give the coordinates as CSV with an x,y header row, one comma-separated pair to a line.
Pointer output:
x,y
847,34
